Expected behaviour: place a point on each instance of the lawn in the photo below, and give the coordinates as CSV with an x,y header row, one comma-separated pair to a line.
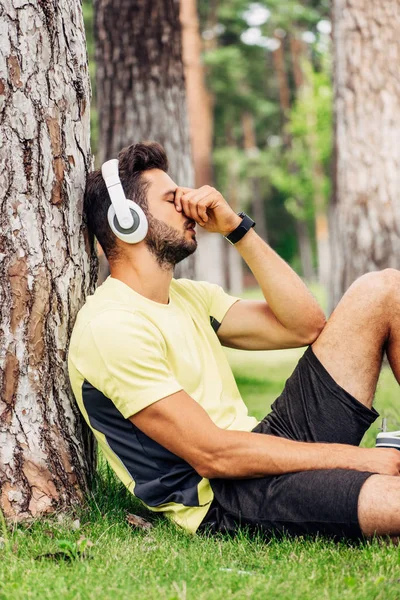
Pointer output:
x,y
121,562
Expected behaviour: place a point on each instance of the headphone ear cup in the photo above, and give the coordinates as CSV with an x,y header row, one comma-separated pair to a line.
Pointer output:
x,y
137,232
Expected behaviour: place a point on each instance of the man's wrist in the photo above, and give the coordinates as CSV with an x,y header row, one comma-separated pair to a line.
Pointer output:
x,y
246,223
236,220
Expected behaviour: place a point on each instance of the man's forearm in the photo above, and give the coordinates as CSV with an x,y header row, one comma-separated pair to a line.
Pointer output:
x,y
245,455
289,299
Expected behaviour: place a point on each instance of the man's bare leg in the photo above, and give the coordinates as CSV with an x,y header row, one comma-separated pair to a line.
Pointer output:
x,y
378,506
365,324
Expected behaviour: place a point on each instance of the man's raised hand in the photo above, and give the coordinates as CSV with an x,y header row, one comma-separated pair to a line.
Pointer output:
x,y
207,207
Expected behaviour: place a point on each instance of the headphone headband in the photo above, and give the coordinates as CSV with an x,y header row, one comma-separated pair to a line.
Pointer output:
x,y
109,170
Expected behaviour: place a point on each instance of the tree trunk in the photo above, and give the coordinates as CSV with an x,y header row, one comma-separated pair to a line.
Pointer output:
x,y
140,84
47,265
257,199
365,209
306,259
303,235
234,261
320,210
209,255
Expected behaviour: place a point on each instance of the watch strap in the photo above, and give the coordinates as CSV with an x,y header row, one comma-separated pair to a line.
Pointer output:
x,y
237,234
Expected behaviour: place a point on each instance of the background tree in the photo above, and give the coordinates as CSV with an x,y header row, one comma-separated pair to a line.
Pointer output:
x,y
285,174
211,249
365,221
47,267
141,85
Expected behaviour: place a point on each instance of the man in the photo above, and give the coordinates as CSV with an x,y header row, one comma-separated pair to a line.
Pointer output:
x,y
150,376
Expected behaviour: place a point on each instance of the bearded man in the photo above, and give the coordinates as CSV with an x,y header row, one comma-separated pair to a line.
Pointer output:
x,y
151,378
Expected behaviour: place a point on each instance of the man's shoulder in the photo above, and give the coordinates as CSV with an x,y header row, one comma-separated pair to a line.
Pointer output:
x,y
111,318
105,317
112,331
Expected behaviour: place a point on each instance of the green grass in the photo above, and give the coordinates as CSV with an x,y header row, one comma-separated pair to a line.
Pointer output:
x,y
166,563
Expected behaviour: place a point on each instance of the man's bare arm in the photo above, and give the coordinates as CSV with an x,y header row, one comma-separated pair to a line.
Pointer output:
x,y
290,316
181,425
290,309
251,325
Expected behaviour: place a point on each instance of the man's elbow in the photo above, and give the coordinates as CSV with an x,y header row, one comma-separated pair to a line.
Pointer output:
x,y
211,466
314,330
206,471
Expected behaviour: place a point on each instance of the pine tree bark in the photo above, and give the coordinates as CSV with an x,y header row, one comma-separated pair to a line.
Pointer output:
x,y
47,265
365,210
140,84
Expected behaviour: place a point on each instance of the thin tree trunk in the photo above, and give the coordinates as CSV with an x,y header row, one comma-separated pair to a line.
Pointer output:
x,y
278,57
305,249
209,255
140,84
304,87
257,199
47,265
365,209
234,260
303,236
199,101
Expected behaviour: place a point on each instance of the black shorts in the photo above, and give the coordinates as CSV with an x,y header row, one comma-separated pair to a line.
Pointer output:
x,y
312,408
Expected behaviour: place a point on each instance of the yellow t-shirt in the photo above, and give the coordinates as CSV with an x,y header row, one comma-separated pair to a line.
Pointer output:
x,y
126,352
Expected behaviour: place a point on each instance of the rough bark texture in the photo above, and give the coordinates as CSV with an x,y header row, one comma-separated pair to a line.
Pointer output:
x,y
46,265
140,83
210,253
365,215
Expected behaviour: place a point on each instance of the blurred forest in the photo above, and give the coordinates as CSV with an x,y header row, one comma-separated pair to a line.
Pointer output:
x,y
268,72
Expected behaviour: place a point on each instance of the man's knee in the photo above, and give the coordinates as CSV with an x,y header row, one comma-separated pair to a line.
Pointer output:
x,y
378,504
391,279
377,285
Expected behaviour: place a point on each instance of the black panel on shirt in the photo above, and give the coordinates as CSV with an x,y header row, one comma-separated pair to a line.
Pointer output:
x,y
160,476
215,324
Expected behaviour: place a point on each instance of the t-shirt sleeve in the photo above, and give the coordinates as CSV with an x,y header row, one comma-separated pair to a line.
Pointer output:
x,y
216,301
128,361
220,302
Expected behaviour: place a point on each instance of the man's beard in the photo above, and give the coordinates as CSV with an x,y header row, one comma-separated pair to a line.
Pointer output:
x,y
167,244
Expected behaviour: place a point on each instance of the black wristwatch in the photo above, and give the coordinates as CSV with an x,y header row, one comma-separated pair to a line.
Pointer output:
x,y
237,234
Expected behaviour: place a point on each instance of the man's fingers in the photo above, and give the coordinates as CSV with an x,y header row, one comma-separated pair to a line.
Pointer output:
x,y
188,208
202,210
196,203
178,197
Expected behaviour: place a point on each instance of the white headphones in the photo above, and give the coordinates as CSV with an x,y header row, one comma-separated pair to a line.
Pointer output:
x,y
126,219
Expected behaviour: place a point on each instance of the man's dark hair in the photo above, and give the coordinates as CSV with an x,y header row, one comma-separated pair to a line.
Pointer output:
x,y
134,160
